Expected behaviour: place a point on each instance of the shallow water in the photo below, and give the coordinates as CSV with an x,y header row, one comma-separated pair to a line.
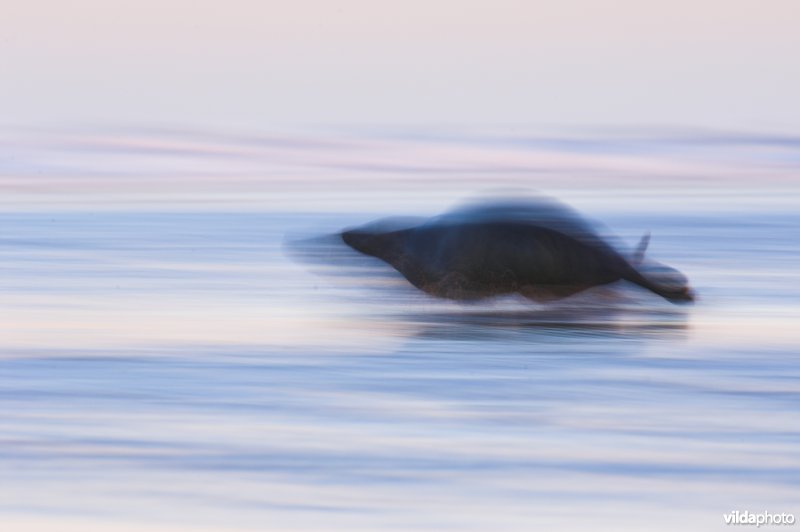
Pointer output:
x,y
170,361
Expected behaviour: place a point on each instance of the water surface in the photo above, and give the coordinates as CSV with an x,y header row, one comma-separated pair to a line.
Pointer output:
x,y
169,362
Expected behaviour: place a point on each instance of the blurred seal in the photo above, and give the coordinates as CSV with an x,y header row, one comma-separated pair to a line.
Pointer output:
x,y
538,248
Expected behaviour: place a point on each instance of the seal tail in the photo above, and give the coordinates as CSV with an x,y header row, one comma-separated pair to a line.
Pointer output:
x,y
667,282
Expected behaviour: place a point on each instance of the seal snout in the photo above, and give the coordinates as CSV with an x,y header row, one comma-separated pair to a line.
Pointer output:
x,y
359,240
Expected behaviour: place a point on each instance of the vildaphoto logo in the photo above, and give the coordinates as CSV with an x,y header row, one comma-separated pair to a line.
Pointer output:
x,y
759,519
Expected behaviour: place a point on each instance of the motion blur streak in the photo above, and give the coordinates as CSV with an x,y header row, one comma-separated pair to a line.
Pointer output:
x,y
172,359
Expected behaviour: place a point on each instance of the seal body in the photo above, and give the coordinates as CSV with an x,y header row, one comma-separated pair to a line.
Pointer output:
x,y
539,249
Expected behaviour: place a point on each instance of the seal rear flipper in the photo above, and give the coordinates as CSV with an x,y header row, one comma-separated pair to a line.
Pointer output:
x,y
638,254
660,279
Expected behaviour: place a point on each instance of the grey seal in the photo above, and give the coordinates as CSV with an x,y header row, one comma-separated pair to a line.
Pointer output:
x,y
538,248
